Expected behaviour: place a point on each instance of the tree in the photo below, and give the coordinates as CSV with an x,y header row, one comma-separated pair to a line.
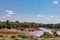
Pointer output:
x,y
17,24
8,24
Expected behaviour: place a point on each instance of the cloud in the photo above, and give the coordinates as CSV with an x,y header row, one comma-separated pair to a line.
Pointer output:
x,y
9,12
52,16
8,15
55,2
40,15
5,16
43,15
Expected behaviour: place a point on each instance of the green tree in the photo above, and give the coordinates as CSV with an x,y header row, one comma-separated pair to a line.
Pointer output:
x,y
8,24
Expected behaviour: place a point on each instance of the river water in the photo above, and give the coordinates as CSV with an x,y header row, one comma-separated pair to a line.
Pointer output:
x,y
40,32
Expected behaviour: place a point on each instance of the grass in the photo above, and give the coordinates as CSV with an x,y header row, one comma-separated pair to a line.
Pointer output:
x,y
46,36
17,37
23,36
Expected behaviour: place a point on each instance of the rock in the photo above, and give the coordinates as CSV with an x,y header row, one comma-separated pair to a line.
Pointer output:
x,y
58,33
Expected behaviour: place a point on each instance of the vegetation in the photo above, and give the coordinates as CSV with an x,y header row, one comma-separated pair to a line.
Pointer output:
x,y
18,37
22,36
13,36
24,25
1,35
47,35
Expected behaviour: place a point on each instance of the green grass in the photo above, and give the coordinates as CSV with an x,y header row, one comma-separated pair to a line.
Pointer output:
x,y
18,36
46,36
22,36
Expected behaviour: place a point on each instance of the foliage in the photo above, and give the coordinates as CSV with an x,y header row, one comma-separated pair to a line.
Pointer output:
x,y
47,35
22,36
23,25
13,36
1,35
33,38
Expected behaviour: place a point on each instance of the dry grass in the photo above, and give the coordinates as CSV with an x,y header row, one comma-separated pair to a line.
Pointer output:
x,y
48,38
11,31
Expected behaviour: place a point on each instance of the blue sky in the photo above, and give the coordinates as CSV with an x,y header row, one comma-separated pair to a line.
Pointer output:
x,y
39,11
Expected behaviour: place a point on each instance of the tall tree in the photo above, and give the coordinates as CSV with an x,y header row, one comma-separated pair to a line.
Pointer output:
x,y
8,24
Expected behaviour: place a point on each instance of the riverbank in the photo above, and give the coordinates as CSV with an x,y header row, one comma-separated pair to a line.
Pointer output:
x,y
29,32
16,31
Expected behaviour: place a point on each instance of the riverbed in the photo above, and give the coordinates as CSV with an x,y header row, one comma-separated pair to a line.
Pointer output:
x,y
40,32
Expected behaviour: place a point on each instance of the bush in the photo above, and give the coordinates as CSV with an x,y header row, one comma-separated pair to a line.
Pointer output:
x,y
13,36
22,36
1,35
47,35
54,32
33,38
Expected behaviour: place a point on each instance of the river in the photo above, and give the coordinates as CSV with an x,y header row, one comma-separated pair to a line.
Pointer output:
x,y
41,31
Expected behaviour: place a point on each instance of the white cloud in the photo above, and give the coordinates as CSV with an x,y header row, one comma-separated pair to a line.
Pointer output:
x,y
40,15
14,16
9,12
43,15
8,15
52,16
55,2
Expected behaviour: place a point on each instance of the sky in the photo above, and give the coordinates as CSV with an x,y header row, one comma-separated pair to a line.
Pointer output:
x,y
39,11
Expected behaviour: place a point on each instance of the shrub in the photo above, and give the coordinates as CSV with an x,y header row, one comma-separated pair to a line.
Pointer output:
x,y
1,35
33,38
22,36
47,35
54,32
13,36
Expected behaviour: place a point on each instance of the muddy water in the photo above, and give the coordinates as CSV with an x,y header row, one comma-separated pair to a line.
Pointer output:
x,y
40,32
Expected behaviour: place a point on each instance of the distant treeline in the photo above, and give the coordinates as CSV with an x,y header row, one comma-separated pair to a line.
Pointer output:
x,y
22,25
